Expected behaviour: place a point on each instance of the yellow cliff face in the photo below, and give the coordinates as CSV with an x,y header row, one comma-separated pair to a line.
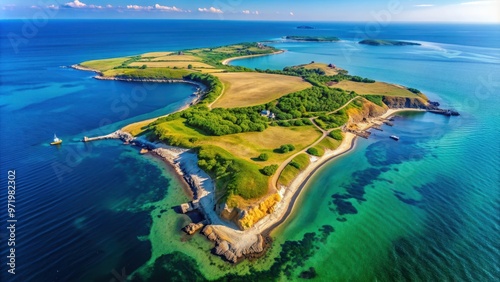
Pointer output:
x,y
252,215
368,110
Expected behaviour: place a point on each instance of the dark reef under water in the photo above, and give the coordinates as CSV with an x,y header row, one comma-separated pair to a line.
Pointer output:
x,y
294,254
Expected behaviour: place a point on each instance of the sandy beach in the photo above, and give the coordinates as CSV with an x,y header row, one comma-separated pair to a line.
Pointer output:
x,y
227,61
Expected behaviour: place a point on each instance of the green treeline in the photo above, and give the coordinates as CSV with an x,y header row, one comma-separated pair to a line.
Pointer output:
x,y
317,76
332,121
213,84
315,99
221,121
294,71
152,73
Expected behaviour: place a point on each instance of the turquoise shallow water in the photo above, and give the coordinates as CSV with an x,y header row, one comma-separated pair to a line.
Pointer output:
x,y
423,209
414,209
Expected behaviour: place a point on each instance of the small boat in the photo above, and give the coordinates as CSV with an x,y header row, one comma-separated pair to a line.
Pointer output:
x,y
57,141
395,137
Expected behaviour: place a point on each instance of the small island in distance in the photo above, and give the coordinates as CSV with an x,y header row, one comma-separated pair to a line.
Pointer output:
x,y
312,38
305,27
380,42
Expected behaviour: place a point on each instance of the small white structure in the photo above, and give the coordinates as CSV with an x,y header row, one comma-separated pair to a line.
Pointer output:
x,y
267,113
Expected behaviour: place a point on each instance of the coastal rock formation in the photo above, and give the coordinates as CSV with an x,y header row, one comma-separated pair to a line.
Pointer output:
x,y
232,251
402,102
193,227
368,110
227,213
247,218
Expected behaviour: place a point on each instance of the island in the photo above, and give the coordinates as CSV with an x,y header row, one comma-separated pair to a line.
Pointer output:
x,y
379,42
312,38
305,27
251,138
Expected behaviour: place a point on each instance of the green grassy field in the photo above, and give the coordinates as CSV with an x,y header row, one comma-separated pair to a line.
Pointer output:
x,y
247,146
328,70
329,143
172,64
291,171
175,57
156,54
377,88
151,73
106,64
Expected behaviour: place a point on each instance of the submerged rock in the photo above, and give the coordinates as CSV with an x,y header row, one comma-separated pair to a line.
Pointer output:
x,y
193,227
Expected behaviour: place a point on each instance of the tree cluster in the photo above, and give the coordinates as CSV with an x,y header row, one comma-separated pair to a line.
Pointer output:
x,y
315,99
269,170
214,86
413,90
221,121
361,79
336,134
331,121
286,148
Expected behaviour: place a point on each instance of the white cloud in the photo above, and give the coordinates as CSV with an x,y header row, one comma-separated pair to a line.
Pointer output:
x,y
210,10
248,12
79,5
139,8
292,14
109,6
53,7
424,5
476,3
75,4
167,8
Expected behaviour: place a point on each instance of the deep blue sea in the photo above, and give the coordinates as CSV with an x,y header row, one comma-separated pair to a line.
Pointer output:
x,y
425,209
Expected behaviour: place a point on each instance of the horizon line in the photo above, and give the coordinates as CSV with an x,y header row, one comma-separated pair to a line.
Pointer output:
x,y
262,20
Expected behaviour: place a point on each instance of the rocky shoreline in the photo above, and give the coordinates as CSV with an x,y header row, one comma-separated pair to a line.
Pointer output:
x,y
230,243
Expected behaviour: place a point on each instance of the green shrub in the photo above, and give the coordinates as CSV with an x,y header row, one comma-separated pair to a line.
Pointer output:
x,y
336,134
263,157
413,90
286,148
269,170
314,151
376,99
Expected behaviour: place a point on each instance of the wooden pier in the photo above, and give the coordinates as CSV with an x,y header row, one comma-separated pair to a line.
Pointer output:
x,y
362,134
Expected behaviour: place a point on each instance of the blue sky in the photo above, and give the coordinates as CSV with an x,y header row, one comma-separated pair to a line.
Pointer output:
x,y
288,10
